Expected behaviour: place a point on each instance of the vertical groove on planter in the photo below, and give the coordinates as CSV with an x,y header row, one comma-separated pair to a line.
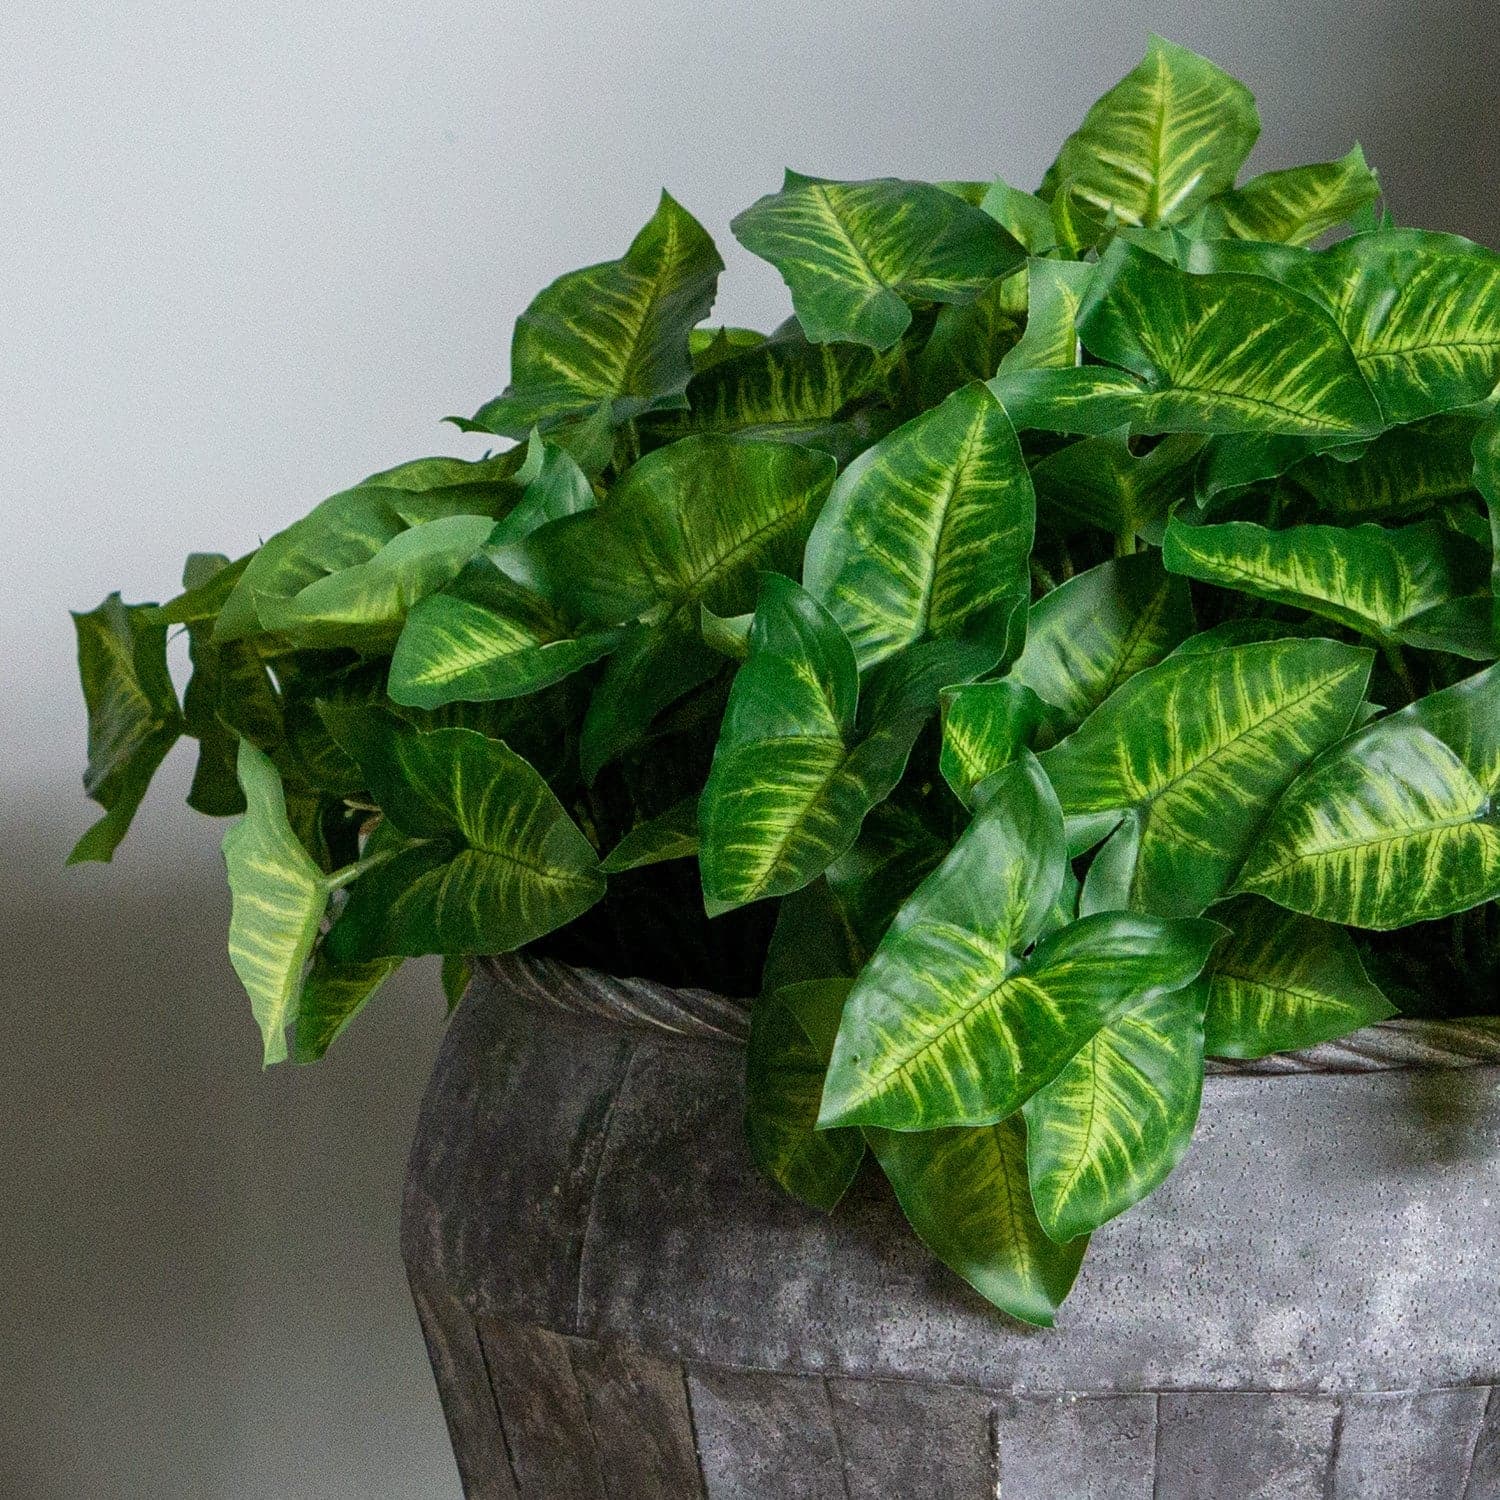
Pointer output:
x,y
1409,1445
638,1414
765,1435
1482,1477
463,1383
1249,1444
541,1411
899,1438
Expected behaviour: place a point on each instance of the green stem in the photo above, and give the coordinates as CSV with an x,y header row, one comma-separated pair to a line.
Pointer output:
x,y
350,873
1399,665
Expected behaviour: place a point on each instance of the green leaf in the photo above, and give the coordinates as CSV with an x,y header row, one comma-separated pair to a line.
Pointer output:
x,y
279,896
1486,450
332,995
133,714
494,861
968,342
1284,981
710,345
1223,353
1397,824
1089,399
670,835
1099,628
457,971
965,1194
927,535
208,580
1297,205
1421,585
613,338
986,725
1401,473
292,577
1111,1126
791,781
780,385
791,1035
856,254
1098,481
1421,312
1170,135
1192,754
952,1021
1055,293
557,488
486,637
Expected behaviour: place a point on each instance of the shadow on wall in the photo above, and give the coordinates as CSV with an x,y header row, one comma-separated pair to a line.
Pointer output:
x,y
200,1260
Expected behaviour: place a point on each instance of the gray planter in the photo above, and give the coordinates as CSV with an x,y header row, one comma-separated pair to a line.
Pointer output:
x,y
618,1305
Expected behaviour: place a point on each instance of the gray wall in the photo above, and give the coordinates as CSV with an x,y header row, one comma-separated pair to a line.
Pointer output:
x,y
249,253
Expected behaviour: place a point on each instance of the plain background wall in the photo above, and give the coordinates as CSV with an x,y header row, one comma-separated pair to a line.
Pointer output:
x,y
248,254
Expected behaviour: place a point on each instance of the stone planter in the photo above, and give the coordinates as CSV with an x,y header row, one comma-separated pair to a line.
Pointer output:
x,y
618,1305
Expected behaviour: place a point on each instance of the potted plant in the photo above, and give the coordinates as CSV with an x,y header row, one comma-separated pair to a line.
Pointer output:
x,y
875,769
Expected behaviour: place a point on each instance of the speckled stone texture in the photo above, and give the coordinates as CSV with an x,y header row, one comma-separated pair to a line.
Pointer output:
x,y
617,1305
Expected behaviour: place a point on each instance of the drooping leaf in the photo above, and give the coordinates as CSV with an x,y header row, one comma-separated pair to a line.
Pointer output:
x,y
952,1021
486,636
332,996
791,1035
1119,1116
986,725
927,535
1396,825
494,860
1223,353
855,255
346,534
965,1194
133,715
1283,981
1088,635
611,339
1171,134
457,971
1185,760
1297,205
279,894
1422,585
671,835
1098,481
792,780
1401,473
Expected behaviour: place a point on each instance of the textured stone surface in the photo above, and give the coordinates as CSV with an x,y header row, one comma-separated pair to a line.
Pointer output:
x,y
1307,1307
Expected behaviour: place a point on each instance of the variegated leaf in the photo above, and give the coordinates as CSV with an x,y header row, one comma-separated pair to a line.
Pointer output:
x,y
279,896
953,1021
1486,450
133,715
986,725
791,779
1185,759
1088,635
486,637
1422,585
612,337
332,996
670,835
1099,481
1088,399
1055,293
1396,825
1111,1126
926,536
1298,204
493,862
1283,981
1223,353
965,1194
856,254
1167,137
791,1035
968,342
292,574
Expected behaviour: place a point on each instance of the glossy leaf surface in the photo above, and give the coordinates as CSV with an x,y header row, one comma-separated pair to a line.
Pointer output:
x,y
1396,825
1296,205
927,535
613,336
855,255
1192,754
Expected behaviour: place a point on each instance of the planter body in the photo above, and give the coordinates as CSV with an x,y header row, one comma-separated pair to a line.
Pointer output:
x,y
619,1307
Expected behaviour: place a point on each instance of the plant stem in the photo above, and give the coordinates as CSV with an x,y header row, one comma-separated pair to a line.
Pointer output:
x,y
1399,665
